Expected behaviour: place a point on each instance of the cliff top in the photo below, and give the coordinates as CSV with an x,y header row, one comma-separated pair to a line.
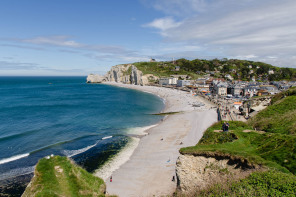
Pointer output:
x,y
59,176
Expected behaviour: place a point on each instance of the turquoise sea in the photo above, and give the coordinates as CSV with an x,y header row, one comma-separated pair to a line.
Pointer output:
x,y
40,116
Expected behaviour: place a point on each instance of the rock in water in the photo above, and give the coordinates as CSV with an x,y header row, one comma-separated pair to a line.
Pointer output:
x,y
94,78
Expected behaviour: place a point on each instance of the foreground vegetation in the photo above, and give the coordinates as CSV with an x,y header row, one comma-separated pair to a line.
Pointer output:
x,y
278,118
270,183
58,176
273,150
273,147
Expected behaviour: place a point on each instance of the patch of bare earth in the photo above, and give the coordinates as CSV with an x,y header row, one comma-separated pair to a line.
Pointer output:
x,y
195,173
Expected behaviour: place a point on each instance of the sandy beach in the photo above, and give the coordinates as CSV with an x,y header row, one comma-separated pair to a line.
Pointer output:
x,y
151,166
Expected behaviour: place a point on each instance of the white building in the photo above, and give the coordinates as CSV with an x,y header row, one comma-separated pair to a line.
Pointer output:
x,y
270,72
182,83
168,81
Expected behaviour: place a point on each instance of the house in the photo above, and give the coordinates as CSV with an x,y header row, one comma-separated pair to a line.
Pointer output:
x,y
152,60
168,81
250,90
271,89
203,88
250,66
182,83
270,72
220,88
262,93
236,90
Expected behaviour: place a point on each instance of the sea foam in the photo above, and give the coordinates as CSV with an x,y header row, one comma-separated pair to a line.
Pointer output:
x,y
71,153
13,158
139,130
114,163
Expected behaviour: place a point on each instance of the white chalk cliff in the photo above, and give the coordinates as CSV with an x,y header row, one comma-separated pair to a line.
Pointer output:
x,y
94,78
124,73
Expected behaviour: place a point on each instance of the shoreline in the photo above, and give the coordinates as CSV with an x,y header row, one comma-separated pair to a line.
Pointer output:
x,y
150,168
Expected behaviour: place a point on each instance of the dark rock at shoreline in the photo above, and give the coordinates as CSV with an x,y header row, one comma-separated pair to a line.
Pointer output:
x,y
15,186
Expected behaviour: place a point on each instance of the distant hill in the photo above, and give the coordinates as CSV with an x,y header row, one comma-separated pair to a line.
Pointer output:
x,y
238,69
59,176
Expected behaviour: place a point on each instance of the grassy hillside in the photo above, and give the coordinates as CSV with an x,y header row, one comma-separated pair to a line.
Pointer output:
x,y
58,176
280,117
277,151
269,183
238,69
274,150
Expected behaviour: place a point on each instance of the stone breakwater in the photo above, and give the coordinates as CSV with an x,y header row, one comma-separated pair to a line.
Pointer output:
x,y
124,73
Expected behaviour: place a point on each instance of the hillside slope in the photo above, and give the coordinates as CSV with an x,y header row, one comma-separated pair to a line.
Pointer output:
x,y
269,151
59,176
280,117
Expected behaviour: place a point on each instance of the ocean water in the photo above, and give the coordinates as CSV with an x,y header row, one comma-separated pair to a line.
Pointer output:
x,y
40,116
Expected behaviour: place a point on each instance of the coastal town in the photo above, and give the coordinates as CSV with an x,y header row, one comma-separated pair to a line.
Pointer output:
x,y
211,103
237,88
235,97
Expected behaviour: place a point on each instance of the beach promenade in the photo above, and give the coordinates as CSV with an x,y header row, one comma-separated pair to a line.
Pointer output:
x,y
150,169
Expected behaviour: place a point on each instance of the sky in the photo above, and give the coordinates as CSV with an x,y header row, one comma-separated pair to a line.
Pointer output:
x,y
79,37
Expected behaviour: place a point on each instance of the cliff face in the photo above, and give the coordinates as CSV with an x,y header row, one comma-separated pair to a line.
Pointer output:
x,y
94,78
127,74
195,173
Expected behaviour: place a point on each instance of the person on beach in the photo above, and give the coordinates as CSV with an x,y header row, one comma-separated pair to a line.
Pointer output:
x,y
111,179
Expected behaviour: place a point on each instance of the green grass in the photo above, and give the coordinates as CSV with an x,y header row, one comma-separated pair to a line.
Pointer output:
x,y
276,151
270,183
277,118
58,176
162,69
281,95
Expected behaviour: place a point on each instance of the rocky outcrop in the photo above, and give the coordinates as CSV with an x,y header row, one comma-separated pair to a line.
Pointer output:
x,y
94,78
127,73
124,73
195,173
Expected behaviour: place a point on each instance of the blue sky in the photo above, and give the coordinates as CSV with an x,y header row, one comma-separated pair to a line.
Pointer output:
x,y
78,37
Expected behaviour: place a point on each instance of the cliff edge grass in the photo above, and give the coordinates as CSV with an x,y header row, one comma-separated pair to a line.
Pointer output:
x,y
272,149
272,152
59,176
280,117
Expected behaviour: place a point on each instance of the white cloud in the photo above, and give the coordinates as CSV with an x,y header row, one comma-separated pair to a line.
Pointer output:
x,y
233,28
164,24
64,42
54,40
